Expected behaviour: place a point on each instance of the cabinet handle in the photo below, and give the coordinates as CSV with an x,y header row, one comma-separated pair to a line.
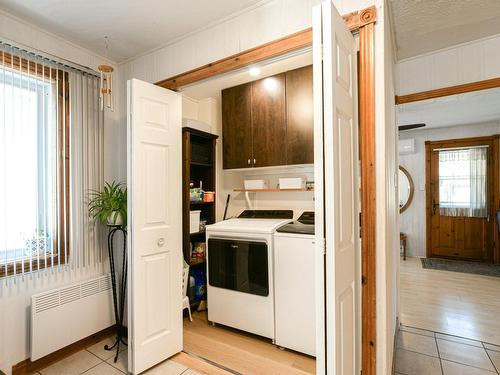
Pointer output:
x,y
254,161
248,161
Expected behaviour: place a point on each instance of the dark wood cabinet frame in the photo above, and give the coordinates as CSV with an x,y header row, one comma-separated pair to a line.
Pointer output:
x,y
361,22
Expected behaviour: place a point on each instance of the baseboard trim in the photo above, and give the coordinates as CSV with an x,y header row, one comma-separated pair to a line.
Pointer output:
x,y
27,367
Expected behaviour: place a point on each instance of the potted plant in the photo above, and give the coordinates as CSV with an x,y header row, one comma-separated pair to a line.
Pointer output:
x,y
109,206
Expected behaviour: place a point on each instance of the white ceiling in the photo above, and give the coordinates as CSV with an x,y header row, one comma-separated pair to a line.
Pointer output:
x,y
422,26
132,26
470,108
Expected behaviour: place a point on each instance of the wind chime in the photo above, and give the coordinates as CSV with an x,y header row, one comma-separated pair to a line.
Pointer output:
x,y
106,83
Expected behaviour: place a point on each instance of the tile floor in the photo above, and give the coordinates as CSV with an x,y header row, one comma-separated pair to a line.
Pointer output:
x,y
94,360
421,352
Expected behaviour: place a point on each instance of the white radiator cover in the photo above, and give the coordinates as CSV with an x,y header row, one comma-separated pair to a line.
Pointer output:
x,y
62,316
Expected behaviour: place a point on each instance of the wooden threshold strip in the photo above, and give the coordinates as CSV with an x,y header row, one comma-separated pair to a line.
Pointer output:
x,y
289,43
447,91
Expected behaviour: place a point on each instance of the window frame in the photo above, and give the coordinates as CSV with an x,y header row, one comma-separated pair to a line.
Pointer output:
x,y
61,239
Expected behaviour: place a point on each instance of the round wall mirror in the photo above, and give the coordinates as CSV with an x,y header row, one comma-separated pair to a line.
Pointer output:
x,y
405,189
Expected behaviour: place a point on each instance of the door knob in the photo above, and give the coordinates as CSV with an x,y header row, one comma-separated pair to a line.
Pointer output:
x,y
160,242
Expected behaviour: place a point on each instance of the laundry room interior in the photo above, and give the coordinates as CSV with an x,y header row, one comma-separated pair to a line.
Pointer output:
x,y
248,216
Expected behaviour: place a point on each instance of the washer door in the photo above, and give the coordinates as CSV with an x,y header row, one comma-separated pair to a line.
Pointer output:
x,y
238,265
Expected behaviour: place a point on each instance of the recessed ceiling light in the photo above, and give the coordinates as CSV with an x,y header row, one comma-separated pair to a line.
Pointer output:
x,y
254,71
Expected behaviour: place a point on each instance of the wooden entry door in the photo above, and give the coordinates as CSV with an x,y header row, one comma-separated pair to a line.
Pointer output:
x,y
456,227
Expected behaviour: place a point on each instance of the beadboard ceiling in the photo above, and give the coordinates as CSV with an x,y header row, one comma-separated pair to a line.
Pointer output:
x,y
132,26
422,26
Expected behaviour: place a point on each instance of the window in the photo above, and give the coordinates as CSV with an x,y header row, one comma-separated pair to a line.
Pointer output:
x,y
34,165
463,182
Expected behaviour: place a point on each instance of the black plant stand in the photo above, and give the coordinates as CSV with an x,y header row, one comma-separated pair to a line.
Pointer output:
x,y
118,305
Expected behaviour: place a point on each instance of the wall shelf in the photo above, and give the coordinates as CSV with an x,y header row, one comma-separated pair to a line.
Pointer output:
x,y
271,190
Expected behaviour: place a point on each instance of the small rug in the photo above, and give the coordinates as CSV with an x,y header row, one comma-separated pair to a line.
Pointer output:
x,y
486,269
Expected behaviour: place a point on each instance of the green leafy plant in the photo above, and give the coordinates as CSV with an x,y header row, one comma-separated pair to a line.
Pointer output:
x,y
109,204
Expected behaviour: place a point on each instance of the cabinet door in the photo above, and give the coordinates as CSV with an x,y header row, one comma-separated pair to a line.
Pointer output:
x,y
268,121
237,126
299,107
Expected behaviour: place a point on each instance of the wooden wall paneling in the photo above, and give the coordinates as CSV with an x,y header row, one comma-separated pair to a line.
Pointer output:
x,y
299,116
237,126
447,91
268,121
368,197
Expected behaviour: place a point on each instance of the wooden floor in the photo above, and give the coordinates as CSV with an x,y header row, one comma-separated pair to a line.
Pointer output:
x,y
454,303
241,352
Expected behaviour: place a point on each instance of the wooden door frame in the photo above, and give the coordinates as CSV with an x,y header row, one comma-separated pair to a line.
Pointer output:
x,y
493,185
363,23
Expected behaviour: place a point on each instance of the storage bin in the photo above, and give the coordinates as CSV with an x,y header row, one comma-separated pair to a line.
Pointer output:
x,y
255,184
292,183
194,221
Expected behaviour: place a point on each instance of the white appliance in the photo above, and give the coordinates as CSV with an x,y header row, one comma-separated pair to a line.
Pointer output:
x,y
240,270
294,288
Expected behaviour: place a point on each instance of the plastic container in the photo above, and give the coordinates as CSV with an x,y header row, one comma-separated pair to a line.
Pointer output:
x,y
194,221
255,184
292,183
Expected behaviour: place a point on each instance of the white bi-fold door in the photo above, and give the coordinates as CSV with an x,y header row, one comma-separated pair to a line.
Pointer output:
x,y
336,165
154,224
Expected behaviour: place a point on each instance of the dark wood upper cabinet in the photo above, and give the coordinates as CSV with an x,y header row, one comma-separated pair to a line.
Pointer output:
x,y
268,121
237,126
300,116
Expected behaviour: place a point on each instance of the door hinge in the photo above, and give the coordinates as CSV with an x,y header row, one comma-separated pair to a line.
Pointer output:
x,y
324,247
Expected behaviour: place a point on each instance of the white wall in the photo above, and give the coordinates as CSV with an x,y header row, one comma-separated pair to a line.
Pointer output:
x,y
15,299
412,221
387,266
469,62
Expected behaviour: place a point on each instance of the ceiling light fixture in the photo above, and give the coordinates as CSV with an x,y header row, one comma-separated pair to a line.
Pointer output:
x,y
254,71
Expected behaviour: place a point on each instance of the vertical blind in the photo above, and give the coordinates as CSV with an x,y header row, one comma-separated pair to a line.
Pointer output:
x,y
463,182
51,155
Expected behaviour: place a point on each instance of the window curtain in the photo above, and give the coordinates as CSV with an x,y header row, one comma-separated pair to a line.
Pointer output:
x,y
463,182
51,155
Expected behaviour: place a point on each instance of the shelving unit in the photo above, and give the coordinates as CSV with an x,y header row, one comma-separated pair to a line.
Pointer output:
x,y
271,190
198,164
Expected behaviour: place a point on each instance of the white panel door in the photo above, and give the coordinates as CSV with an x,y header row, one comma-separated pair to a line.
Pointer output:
x,y
154,224
335,82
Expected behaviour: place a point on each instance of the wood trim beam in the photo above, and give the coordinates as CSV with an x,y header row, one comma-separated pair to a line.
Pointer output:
x,y
447,91
289,43
368,197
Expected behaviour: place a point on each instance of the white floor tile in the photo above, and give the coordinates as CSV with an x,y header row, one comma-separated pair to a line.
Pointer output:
x,y
459,339
417,330
168,368
122,363
465,354
98,349
453,368
72,365
417,343
103,369
411,363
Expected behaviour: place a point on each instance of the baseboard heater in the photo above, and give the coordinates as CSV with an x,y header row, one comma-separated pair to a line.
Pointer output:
x,y
62,316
